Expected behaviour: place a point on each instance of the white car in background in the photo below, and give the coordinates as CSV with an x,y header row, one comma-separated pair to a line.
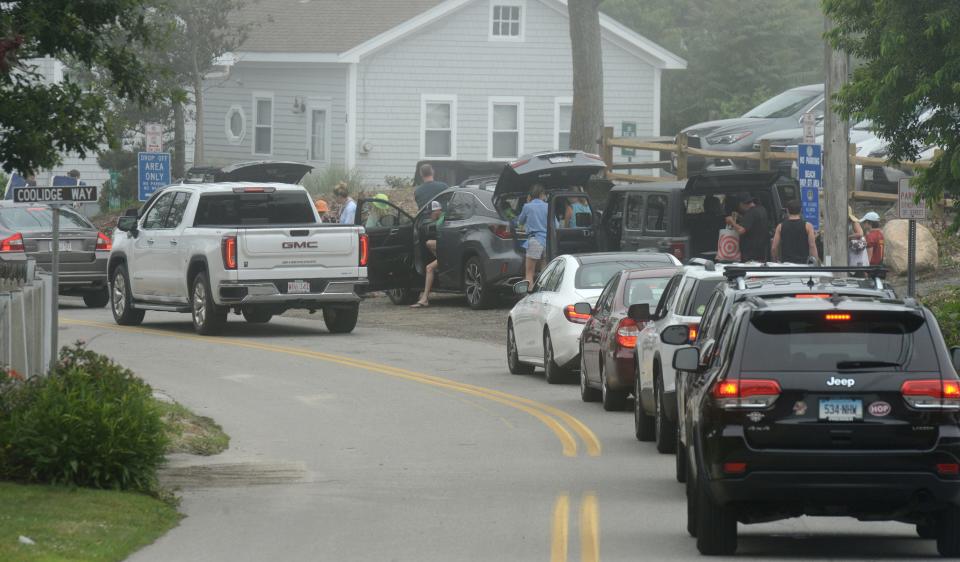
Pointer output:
x,y
543,330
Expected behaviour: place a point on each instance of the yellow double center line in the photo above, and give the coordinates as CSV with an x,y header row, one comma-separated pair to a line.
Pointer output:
x,y
589,529
548,415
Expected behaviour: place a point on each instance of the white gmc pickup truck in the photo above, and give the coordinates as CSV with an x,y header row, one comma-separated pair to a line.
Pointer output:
x,y
255,248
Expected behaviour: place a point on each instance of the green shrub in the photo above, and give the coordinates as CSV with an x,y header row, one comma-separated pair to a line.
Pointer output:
x,y
323,182
945,305
88,423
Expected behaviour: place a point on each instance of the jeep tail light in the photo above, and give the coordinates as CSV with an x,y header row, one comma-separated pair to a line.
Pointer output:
x,y
931,394
103,242
837,316
228,249
627,332
948,469
574,316
734,467
12,243
501,231
678,250
364,250
745,394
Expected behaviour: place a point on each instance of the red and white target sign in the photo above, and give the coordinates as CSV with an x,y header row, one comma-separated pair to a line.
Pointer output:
x,y
728,246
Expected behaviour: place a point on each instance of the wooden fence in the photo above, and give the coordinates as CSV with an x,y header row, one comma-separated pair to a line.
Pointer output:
x,y
668,148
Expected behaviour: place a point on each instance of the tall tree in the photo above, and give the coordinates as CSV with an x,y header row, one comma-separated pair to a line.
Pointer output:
x,y
908,82
587,113
40,119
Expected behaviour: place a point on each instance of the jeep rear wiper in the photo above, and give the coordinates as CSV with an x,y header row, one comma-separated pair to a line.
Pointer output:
x,y
865,364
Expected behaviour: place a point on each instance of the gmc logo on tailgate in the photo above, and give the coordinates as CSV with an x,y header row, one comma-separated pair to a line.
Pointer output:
x,y
296,245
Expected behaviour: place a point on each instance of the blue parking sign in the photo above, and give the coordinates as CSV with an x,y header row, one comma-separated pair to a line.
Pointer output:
x,y
153,172
809,174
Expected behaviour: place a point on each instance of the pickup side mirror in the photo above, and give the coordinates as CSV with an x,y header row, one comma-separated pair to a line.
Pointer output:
x,y
687,359
521,288
583,308
639,312
678,334
955,356
127,223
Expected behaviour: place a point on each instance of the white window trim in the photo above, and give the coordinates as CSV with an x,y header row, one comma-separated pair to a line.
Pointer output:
x,y
522,4
236,108
557,102
273,108
505,100
438,98
322,105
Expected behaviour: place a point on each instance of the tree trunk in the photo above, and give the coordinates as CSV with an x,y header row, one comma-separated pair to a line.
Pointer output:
x,y
198,156
587,115
179,141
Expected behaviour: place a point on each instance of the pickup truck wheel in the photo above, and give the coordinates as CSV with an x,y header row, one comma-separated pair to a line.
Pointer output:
x,y
341,319
97,299
402,297
208,318
479,295
256,315
122,300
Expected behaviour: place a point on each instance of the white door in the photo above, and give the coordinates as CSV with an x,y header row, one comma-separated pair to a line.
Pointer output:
x,y
145,264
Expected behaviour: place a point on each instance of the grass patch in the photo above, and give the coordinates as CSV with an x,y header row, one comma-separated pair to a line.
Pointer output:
x,y
190,433
78,523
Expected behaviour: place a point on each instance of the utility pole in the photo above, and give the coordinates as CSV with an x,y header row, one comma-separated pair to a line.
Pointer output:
x,y
836,138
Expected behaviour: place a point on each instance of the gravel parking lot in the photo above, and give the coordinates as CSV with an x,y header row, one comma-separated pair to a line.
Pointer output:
x,y
448,316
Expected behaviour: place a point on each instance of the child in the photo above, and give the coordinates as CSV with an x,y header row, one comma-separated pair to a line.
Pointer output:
x,y
874,237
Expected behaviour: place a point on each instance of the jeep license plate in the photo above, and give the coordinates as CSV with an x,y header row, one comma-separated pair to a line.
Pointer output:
x,y
841,410
298,287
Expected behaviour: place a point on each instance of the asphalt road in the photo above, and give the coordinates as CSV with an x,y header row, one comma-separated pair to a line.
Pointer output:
x,y
388,445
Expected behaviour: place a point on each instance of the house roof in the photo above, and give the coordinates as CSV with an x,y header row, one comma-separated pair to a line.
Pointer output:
x,y
323,26
345,31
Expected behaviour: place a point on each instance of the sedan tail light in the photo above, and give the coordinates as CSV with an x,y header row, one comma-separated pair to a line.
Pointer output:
x,y
574,316
501,231
627,332
228,248
12,243
103,242
931,394
745,394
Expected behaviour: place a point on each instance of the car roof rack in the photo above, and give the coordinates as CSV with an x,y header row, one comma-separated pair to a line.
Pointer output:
x,y
707,264
738,272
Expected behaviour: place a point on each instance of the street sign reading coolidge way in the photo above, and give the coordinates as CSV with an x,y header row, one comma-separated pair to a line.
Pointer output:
x,y
82,193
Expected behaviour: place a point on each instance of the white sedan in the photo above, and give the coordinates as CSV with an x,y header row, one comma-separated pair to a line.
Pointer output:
x,y
543,329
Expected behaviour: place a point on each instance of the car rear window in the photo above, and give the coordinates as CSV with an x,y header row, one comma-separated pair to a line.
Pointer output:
x,y
646,290
36,219
701,294
814,341
280,207
596,275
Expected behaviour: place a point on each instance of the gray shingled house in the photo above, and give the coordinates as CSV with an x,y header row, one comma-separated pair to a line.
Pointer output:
x,y
378,85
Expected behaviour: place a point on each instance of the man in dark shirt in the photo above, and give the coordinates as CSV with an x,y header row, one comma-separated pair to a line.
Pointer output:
x,y
754,228
429,188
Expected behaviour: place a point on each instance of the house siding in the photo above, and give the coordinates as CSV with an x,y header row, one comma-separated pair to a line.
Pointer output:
x,y
323,83
455,57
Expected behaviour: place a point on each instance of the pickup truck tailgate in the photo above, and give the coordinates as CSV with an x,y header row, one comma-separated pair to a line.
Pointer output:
x,y
298,252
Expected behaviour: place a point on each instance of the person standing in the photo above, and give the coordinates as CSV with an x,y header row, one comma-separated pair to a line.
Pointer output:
x,y
429,189
534,218
794,241
348,207
753,226
856,244
437,216
874,238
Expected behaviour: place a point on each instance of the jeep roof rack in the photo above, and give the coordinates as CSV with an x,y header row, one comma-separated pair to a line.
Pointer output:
x,y
738,272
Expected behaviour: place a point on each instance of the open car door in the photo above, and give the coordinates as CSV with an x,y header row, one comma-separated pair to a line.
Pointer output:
x,y
571,225
390,234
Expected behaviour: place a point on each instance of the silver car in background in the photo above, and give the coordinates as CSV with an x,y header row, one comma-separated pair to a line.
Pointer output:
x,y
26,230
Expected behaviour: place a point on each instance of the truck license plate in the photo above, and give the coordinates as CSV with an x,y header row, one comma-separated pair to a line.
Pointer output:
x,y
298,287
841,410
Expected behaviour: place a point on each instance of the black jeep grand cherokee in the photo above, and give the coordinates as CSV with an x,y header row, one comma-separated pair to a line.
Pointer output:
x,y
824,405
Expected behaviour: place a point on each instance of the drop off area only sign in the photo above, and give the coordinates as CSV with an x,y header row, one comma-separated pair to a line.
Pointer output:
x,y
153,172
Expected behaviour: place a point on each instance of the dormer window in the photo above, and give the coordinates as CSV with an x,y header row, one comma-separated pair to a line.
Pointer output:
x,y
506,20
